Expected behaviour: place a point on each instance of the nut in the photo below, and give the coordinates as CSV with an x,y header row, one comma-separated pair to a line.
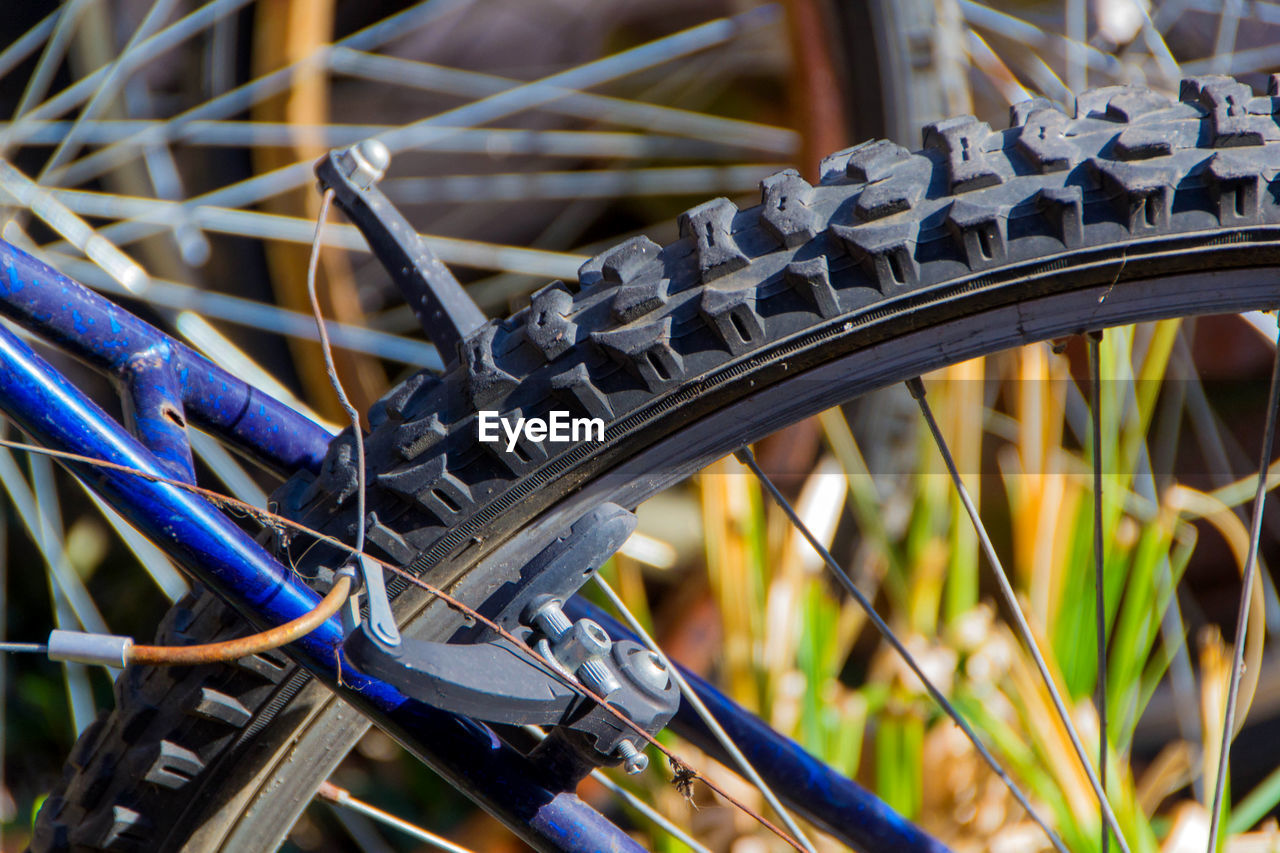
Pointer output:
x,y
365,162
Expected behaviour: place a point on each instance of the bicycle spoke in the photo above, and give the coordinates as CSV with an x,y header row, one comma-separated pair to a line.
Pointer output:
x,y
72,228
705,714
1238,62
173,35
1020,622
341,798
22,648
116,72
1047,80
1099,559
1159,48
602,183
55,48
220,55
166,182
148,216
362,831
1173,632
635,802
992,20
171,583
518,99
1259,10
1225,43
252,314
227,468
38,513
1170,11
1242,617
573,102
1077,31
27,43
649,812
244,97
72,605
215,133
747,458
995,69
1211,438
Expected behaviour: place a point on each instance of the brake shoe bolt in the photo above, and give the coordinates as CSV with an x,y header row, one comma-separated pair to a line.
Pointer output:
x,y
633,760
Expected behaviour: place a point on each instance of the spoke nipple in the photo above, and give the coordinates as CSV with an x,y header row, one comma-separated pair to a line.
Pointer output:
x,y
916,387
633,760
744,455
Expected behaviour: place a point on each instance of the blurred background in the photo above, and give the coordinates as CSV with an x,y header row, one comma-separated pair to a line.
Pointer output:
x,y
164,154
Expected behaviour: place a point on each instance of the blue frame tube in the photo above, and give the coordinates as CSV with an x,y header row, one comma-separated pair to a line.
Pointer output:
x,y
209,546
153,409
109,338
161,378
815,791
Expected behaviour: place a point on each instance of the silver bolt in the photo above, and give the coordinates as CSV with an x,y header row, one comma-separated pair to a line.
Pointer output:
x,y
633,760
579,648
582,649
584,641
648,669
545,612
365,162
596,675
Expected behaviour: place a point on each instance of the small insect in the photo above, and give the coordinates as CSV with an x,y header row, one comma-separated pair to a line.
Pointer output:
x,y
683,778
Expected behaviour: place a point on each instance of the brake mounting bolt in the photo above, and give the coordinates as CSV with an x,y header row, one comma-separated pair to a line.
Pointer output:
x,y
649,669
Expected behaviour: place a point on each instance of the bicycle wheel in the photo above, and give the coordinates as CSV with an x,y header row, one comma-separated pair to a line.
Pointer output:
x,y
896,263
157,121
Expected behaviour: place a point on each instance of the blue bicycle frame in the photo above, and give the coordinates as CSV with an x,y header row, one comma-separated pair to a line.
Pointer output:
x,y
164,385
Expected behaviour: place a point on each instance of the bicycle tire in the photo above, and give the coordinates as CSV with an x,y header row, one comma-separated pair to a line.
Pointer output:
x,y
894,263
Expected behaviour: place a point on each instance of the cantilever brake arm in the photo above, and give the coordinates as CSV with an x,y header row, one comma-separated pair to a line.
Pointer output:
x,y
447,314
490,681
487,677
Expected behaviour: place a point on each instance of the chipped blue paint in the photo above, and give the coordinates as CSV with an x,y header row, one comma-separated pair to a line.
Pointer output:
x,y
211,547
70,316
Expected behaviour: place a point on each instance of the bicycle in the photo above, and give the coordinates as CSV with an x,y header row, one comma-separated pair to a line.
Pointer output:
x,y
720,359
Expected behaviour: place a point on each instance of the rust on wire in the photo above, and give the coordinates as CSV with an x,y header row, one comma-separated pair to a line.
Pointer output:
x,y
684,774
